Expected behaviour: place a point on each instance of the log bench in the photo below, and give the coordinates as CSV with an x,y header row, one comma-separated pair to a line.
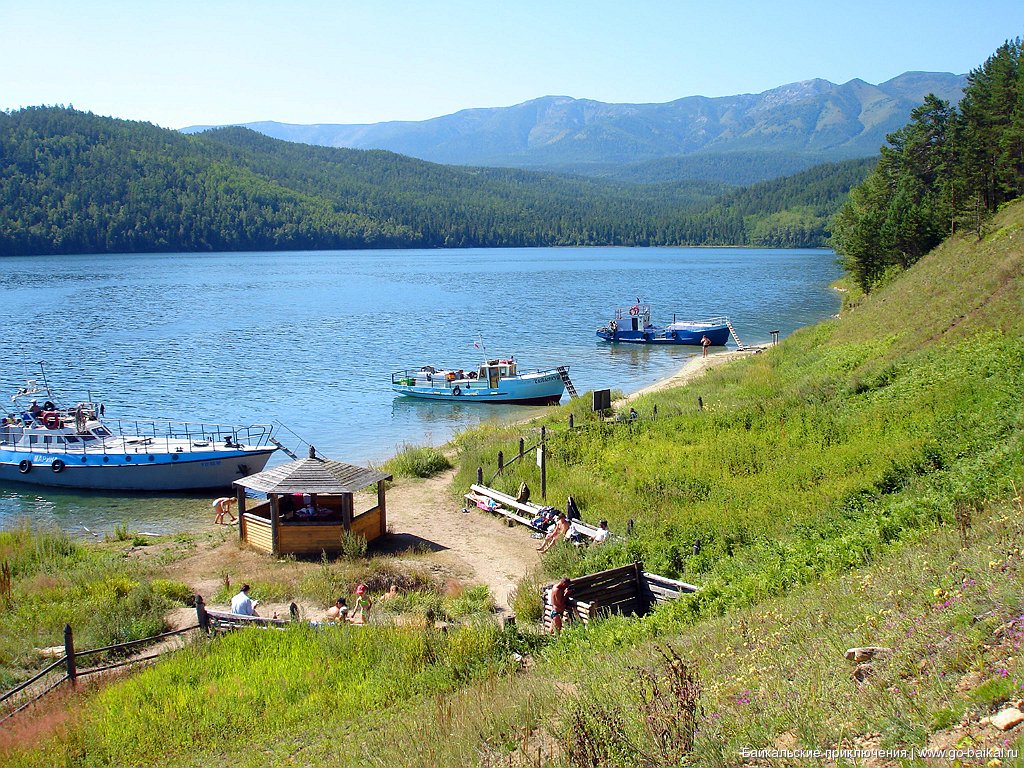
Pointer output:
x,y
521,512
225,621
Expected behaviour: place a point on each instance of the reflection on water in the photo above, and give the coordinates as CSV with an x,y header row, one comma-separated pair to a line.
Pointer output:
x,y
308,340
92,513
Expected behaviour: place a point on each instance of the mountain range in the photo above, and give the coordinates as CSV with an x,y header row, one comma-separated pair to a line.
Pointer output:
x,y
787,129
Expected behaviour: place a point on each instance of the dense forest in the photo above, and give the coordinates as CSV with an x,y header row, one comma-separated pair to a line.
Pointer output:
x,y
947,170
74,182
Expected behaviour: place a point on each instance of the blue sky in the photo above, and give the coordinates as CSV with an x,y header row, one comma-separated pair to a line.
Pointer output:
x,y
221,61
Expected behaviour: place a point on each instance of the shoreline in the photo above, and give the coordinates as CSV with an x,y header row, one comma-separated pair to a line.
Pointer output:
x,y
690,371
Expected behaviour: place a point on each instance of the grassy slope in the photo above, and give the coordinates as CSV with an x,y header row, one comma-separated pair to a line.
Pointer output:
x,y
853,486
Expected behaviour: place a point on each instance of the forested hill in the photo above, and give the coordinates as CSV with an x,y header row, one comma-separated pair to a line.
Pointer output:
x,y
73,182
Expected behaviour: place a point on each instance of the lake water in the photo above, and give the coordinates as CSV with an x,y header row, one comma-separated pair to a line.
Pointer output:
x,y
308,340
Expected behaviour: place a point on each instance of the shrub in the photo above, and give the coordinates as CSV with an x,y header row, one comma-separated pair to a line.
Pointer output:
x,y
417,461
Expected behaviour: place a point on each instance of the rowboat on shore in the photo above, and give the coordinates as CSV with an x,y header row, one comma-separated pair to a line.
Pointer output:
x,y
495,381
633,326
77,447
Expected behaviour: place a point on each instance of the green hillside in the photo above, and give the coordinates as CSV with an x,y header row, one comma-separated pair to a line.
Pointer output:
x,y
72,182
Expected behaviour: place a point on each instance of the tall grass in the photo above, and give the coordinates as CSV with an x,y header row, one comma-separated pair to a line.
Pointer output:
x,y
253,692
417,461
105,597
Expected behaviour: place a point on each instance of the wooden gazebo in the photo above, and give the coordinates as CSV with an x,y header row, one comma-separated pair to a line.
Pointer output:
x,y
309,506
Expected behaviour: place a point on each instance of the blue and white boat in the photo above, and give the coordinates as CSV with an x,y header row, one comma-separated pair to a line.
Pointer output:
x,y
495,381
76,447
633,326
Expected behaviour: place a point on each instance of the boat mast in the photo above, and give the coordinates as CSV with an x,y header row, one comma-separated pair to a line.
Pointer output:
x,y
42,370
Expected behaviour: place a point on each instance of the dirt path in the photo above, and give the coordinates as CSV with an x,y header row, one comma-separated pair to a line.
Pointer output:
x,y
475,546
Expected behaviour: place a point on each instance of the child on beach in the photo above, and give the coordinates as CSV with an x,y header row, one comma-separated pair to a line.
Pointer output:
x,y
360,613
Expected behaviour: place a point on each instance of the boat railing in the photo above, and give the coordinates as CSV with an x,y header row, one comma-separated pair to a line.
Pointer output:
x,y
149,434
719,320
637,310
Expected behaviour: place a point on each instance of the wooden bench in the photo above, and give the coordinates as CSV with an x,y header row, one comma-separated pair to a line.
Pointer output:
x,y
521,512
627,590
224,621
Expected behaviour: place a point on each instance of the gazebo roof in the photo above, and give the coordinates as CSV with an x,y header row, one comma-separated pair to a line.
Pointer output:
x,y
312,475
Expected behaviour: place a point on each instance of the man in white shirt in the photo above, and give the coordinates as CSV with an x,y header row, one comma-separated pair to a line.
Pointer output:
x,y
242,604
602,532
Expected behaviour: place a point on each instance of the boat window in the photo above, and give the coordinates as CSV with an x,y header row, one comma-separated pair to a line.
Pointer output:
x,y
101,432
70,439
32,439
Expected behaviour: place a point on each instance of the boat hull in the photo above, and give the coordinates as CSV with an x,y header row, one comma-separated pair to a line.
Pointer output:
x,y
536,388
194,471
479,396
718,335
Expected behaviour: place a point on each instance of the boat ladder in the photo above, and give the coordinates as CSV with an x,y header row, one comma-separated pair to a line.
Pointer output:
x,y
563,371
283,447
732,330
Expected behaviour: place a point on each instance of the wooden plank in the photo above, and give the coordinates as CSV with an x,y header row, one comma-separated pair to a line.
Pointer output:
x,y
664,581
529,508
368,524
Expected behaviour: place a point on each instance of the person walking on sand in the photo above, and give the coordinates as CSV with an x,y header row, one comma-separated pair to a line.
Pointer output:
x,y
360,613
705,342
223,507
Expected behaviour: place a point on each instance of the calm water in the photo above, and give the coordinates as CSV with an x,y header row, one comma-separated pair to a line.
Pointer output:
x,y
308,340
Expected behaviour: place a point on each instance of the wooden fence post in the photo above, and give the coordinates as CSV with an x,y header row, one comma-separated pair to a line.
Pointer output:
x,y
570,422
522,445
543,464
69,652
655,415
700,403
501,461
479,475
202,619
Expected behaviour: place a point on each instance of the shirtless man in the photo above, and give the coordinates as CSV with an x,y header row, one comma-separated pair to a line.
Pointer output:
x,y
561,528
559,602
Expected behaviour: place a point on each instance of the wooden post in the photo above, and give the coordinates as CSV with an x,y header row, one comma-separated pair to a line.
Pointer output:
x,y
240,508
202,619
522,445
655,413
275,521
383,504
700,403
479,475
543,464
570,422
501,461
69,652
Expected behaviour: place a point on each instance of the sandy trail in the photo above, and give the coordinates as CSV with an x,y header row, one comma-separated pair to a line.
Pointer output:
x,y
476,546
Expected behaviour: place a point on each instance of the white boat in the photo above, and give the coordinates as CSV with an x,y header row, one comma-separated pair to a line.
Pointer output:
x,y
76,447
495,381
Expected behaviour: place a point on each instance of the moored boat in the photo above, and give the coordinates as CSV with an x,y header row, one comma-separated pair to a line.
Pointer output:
x,y
633,326
495,381
76,447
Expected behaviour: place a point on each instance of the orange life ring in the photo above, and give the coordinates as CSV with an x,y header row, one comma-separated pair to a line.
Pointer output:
x,y
51,420
634,310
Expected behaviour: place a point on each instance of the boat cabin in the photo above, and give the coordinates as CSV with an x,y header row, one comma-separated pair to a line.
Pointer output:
x,y
634,318
493,371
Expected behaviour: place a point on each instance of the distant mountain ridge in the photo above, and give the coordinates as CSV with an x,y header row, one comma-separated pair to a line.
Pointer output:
x,y
815,118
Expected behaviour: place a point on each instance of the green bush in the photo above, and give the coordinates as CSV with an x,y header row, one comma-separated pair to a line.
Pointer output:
x,y
417,461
